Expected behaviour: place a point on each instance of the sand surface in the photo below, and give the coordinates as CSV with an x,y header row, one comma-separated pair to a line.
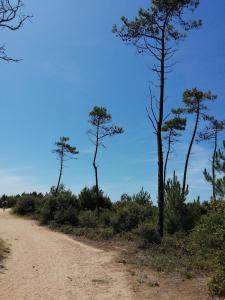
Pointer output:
x,y
48,265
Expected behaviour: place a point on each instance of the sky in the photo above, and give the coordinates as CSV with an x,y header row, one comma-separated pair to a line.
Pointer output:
x,y
71,61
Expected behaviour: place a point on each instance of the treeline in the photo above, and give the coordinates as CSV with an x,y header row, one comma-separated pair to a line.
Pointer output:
x,y
126,215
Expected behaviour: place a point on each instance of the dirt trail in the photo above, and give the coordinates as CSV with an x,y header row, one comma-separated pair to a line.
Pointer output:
x,y
49,265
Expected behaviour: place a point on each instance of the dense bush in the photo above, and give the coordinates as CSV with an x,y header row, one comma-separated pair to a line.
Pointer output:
x,y
147,234
142,198
131,211
88,199
129,217
217,284
208,240
88,219
61,209
209,234
28,204
11,200
193,211
174,205
179,215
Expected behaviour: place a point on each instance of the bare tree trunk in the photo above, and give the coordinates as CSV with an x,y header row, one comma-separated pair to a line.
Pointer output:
x,y
96,169
167,158
60,173
159,142
189,151
213,168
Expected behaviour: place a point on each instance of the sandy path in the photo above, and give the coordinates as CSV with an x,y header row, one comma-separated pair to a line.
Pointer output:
x,y
49,265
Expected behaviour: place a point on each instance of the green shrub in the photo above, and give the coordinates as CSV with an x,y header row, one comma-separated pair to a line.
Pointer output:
x,y
147,235
27,204
174,205
209,235
66,215
62,191
48,210
88,219
67,229
11,200
131,211
181,216
105,217
61,209
217,284
129,216
105,234
192,214
142,198
88,199
98,234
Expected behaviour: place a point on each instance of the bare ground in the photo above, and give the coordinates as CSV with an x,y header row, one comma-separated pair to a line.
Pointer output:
x,y
49,265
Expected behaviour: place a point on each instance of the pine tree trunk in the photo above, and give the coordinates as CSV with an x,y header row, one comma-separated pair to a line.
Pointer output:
x,y
96,169
159,143
60,172
213,168
189,151
167,158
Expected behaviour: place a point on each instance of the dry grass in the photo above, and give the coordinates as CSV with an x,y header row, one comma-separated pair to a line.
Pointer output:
x,y
4,250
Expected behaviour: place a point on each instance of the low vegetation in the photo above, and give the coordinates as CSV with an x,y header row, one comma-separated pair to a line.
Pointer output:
x,y
4,250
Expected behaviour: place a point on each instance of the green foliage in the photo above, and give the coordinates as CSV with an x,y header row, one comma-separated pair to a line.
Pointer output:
x,y
61,190
219,166
147,235
64,152
88,219
195,99
193,213
166,16
101,120
132,211
105,233
28,204
217,284
174,126
88,199
105,217
63,149
187,253
47,210
208,237
96,234
181,216
142,198
99,117
174,205
11,200
61,209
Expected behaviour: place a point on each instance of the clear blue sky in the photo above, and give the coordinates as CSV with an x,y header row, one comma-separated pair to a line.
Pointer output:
x,y
71,62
